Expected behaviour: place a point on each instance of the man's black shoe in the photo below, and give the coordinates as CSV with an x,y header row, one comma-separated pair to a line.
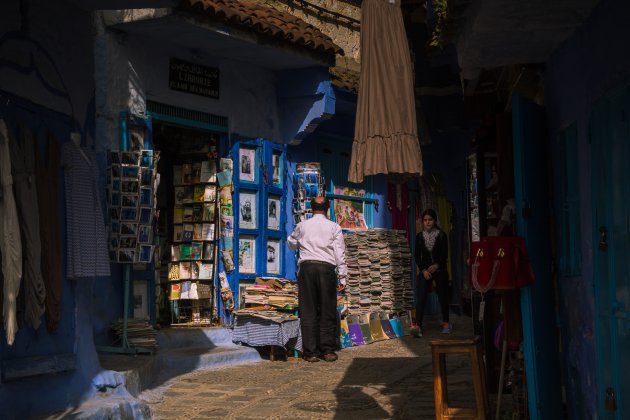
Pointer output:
x,y
311,359
330,357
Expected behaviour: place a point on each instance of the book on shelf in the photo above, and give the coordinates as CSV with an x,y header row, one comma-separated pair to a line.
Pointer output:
x,y
194,270
195,177
175,253
196,249
205,270
208,171
178,214
178,231
189,194
184,251
208,251
209,193
208,212
198,193
173,271
198,232
207,232
184,294
177,175
179,194
187,234
184,270
187,173
188,214
204,290
197,212
192,293
175,291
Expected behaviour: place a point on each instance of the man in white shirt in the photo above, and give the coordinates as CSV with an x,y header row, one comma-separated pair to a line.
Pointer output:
x,y
322,250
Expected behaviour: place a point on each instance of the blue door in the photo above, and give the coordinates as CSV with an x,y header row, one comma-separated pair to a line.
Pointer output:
x,y
610,154
540,338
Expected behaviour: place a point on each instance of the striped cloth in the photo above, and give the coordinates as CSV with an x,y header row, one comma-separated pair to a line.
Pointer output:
x,y
256,331
85,225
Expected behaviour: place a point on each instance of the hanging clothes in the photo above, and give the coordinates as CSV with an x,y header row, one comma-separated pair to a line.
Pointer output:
x,y
85,226
25,188
46,172
10,241
386,132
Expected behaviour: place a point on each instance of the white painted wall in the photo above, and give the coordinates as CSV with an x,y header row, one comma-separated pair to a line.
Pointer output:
x,y
136,68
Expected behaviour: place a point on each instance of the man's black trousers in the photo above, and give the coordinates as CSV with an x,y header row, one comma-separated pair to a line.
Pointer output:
x,y
317,298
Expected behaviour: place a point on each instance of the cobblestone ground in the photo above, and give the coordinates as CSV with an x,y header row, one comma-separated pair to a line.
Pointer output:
x,y
387,379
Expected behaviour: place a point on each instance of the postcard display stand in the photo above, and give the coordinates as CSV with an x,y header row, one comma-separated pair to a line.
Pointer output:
x,y
130,208
191,271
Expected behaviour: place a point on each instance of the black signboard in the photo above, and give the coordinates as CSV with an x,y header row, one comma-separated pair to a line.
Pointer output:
x,y
193,78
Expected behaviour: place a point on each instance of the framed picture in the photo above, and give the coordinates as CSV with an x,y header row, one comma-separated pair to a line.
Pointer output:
x,y
126,255
146,177
146,214
247,255
273,256
140,299
145,234
129,200
146,196
114,171
129,186
276,175
247,164
147,159
115,185
241,294
114,198
113,158
129,172
129,214
145,253
128,228
273,213
130,158
127,242
247,210
114,226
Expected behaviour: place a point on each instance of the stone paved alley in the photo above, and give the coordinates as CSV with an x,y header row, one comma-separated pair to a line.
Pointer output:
x,y
388,379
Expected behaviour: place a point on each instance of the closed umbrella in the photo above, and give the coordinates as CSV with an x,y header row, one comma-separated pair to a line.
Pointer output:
x,y
10,241
386,133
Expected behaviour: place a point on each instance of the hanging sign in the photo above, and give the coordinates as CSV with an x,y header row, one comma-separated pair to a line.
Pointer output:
x,y
193,78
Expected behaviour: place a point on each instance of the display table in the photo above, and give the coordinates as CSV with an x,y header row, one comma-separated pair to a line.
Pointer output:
x,y
267,329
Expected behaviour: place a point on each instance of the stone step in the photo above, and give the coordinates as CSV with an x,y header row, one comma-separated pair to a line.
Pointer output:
x,y
193,337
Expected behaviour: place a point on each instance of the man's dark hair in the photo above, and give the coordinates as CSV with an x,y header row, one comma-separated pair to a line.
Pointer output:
x,y
320,205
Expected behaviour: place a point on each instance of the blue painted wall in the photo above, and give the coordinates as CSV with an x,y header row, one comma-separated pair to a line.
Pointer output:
x,y
54,90
587,66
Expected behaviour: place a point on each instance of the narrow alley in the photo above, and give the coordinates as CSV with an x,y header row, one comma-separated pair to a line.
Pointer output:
x,y
386,379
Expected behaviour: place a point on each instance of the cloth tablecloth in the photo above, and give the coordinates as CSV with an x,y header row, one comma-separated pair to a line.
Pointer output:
x,y
256,331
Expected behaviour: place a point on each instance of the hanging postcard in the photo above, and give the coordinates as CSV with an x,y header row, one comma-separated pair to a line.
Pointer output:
x,y
273,213
247,164
247,255
247,210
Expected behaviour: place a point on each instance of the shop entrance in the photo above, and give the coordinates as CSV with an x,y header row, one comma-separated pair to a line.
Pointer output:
x,y
610,152
187,223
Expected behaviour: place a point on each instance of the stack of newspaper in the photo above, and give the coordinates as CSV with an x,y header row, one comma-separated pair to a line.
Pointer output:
x,y
379,271
271,291
139,333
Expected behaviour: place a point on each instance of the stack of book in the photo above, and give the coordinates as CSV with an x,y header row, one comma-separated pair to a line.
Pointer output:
x,y
271,292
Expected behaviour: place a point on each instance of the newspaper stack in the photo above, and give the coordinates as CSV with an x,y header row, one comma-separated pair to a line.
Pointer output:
x,y
379,271
271,291
139,333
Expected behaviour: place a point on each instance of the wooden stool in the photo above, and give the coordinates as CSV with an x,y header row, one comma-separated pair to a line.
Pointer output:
x,y
439,349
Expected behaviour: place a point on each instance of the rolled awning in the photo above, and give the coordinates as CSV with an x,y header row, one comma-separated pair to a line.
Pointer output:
x,y
385,133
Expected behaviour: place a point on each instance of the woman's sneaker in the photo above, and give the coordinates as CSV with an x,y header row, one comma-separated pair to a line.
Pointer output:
x,y
416,331
447,327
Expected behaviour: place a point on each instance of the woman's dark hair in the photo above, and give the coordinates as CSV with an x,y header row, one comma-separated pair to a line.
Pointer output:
x,y
320,206
431,213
